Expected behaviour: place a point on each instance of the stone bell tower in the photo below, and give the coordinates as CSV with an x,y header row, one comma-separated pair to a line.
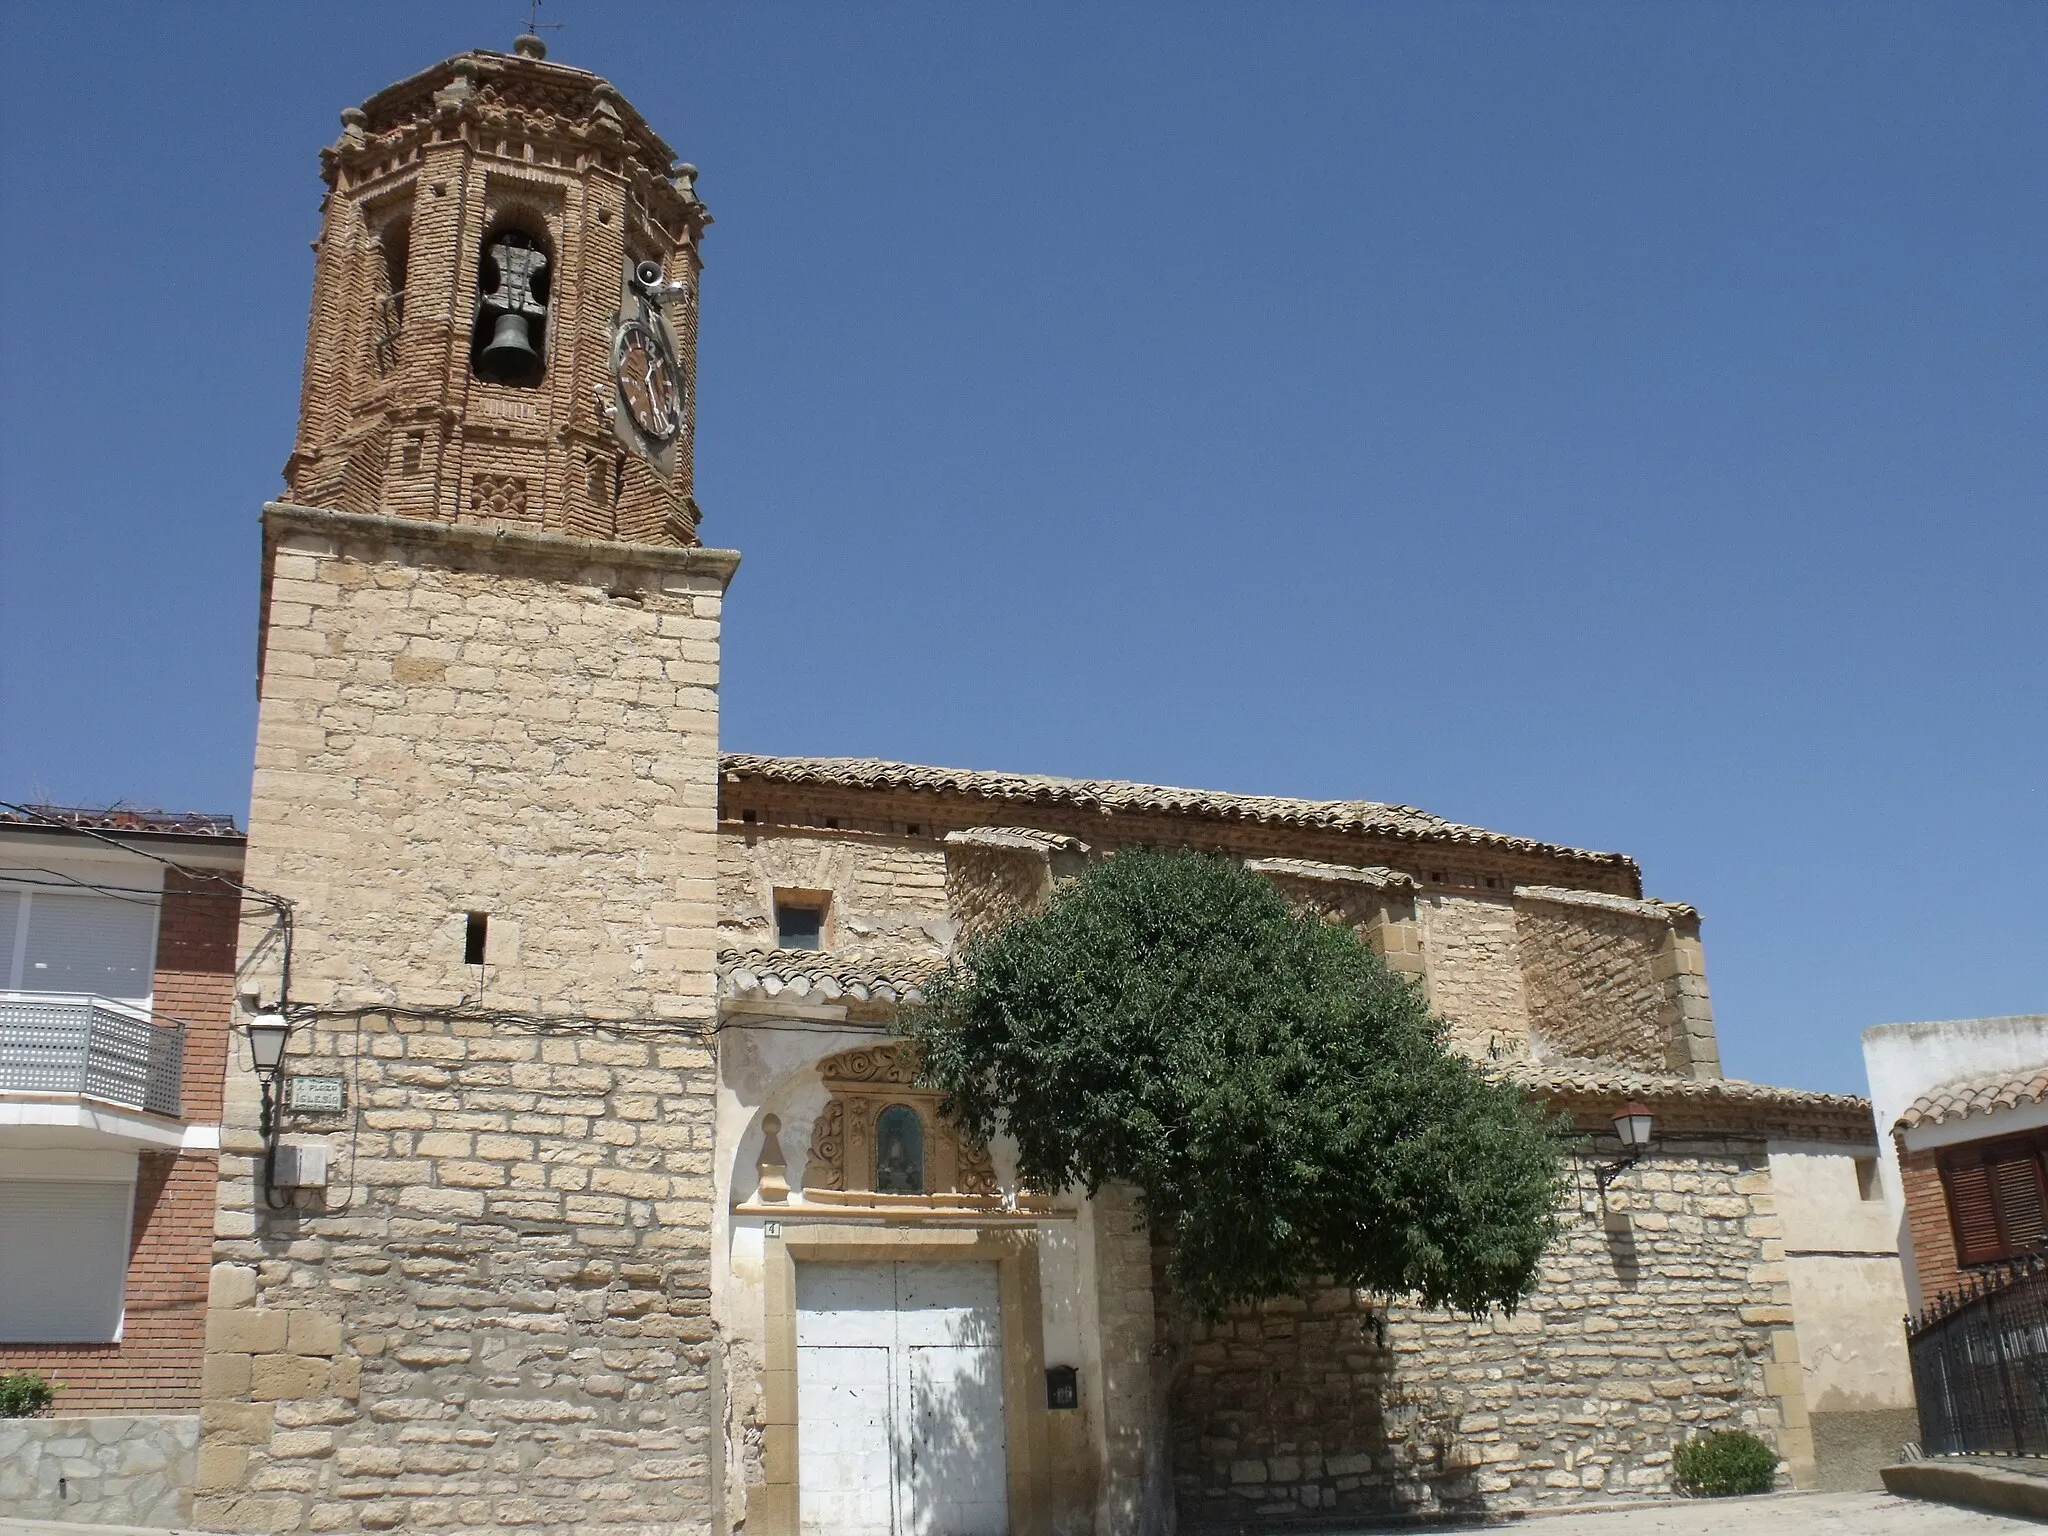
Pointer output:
x,y
462,1276
504,323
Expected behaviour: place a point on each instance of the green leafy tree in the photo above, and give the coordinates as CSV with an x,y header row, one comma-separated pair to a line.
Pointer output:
x,y
1288,1107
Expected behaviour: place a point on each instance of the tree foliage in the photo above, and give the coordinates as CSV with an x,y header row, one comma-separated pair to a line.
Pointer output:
x,y
1288,1107
25,1395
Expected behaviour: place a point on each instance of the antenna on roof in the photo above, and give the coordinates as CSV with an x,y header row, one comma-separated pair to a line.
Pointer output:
x,y
528,44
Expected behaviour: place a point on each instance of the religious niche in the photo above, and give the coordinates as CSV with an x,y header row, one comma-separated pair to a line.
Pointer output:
x,y
880,1139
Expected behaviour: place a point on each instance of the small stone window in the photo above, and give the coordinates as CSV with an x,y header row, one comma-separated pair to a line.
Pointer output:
x,y
899,1151
1866,1179
800,920
597,481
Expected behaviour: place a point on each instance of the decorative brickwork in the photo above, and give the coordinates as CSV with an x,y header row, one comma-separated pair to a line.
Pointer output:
x,y
1669,1315
394,415
498,499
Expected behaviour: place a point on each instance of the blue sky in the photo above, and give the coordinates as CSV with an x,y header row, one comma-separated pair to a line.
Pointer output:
x,y
1615,424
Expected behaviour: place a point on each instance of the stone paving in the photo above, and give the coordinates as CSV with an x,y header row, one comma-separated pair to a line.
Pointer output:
x,y
1795,1514
1798,1514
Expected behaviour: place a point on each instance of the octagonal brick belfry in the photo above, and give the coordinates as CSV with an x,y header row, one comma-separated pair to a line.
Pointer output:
x,y
494,188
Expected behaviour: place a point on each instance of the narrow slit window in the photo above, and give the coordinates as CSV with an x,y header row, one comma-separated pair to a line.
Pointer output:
x,y
475,935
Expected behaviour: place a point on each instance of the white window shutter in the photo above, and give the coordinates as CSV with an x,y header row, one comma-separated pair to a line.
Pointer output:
x,y
105,945
10,918
63,1260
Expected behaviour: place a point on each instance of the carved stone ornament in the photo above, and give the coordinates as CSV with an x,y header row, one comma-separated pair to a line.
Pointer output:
x,y
864,1084
828,1147
871,1064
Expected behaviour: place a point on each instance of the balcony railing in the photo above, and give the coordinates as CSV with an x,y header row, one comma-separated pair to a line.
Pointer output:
x,y
69,1044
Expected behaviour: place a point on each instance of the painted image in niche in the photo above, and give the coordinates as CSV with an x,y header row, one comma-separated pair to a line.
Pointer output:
x,y
899,1151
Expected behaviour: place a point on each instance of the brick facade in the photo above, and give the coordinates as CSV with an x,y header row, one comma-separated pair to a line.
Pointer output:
x,y
1929,1231
393,416
155,1367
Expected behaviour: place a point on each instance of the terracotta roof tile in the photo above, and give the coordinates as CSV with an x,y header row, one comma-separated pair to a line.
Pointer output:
x,y
1027,839
820,976
1403,822
1578,1078
1976,1096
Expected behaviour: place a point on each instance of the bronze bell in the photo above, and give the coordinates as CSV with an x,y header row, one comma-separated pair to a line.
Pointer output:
x,y
510,357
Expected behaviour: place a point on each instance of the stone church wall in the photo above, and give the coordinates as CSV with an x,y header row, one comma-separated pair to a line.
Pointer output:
x,y
1475,972
499,1314
1668,1317
496,1313
1591,982
887,892
455,721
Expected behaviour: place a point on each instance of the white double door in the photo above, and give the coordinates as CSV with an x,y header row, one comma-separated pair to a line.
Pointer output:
x,y
899,1392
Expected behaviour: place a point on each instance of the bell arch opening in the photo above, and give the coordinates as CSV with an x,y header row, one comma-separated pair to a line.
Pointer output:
x,y
509,337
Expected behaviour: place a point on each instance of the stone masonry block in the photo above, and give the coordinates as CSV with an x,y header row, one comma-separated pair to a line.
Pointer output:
x,y
313,1333
250,1332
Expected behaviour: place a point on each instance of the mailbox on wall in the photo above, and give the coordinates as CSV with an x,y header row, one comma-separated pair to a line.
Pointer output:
x,y
1062,1387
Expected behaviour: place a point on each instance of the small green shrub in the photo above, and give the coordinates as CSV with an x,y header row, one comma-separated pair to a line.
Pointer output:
x,y
1729,1462
25,1395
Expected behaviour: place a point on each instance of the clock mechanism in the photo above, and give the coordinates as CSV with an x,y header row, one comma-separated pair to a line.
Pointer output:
x,y
650,412
649,381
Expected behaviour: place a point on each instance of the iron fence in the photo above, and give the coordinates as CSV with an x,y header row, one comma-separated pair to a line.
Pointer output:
x,y
1980,1364
88,1046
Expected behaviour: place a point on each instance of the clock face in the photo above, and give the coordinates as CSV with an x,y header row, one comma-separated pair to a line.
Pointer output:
x,y
648,384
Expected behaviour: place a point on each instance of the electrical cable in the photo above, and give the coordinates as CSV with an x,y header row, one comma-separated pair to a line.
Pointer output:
x,y
280,906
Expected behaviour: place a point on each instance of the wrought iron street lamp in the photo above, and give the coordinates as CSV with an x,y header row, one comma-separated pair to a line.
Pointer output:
x,y
267,1035
1632,1126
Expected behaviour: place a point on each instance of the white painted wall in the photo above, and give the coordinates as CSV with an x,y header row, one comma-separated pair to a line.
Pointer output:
x,y
1848,1291
1903,1061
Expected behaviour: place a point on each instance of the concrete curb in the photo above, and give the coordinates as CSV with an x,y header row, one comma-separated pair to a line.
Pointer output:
x,y
1960,1480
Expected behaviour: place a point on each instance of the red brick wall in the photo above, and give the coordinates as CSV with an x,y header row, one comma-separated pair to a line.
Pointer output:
x,y
1927,1225
155,1367
195,982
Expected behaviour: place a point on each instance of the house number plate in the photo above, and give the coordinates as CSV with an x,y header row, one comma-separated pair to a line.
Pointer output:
x,y
317,1095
